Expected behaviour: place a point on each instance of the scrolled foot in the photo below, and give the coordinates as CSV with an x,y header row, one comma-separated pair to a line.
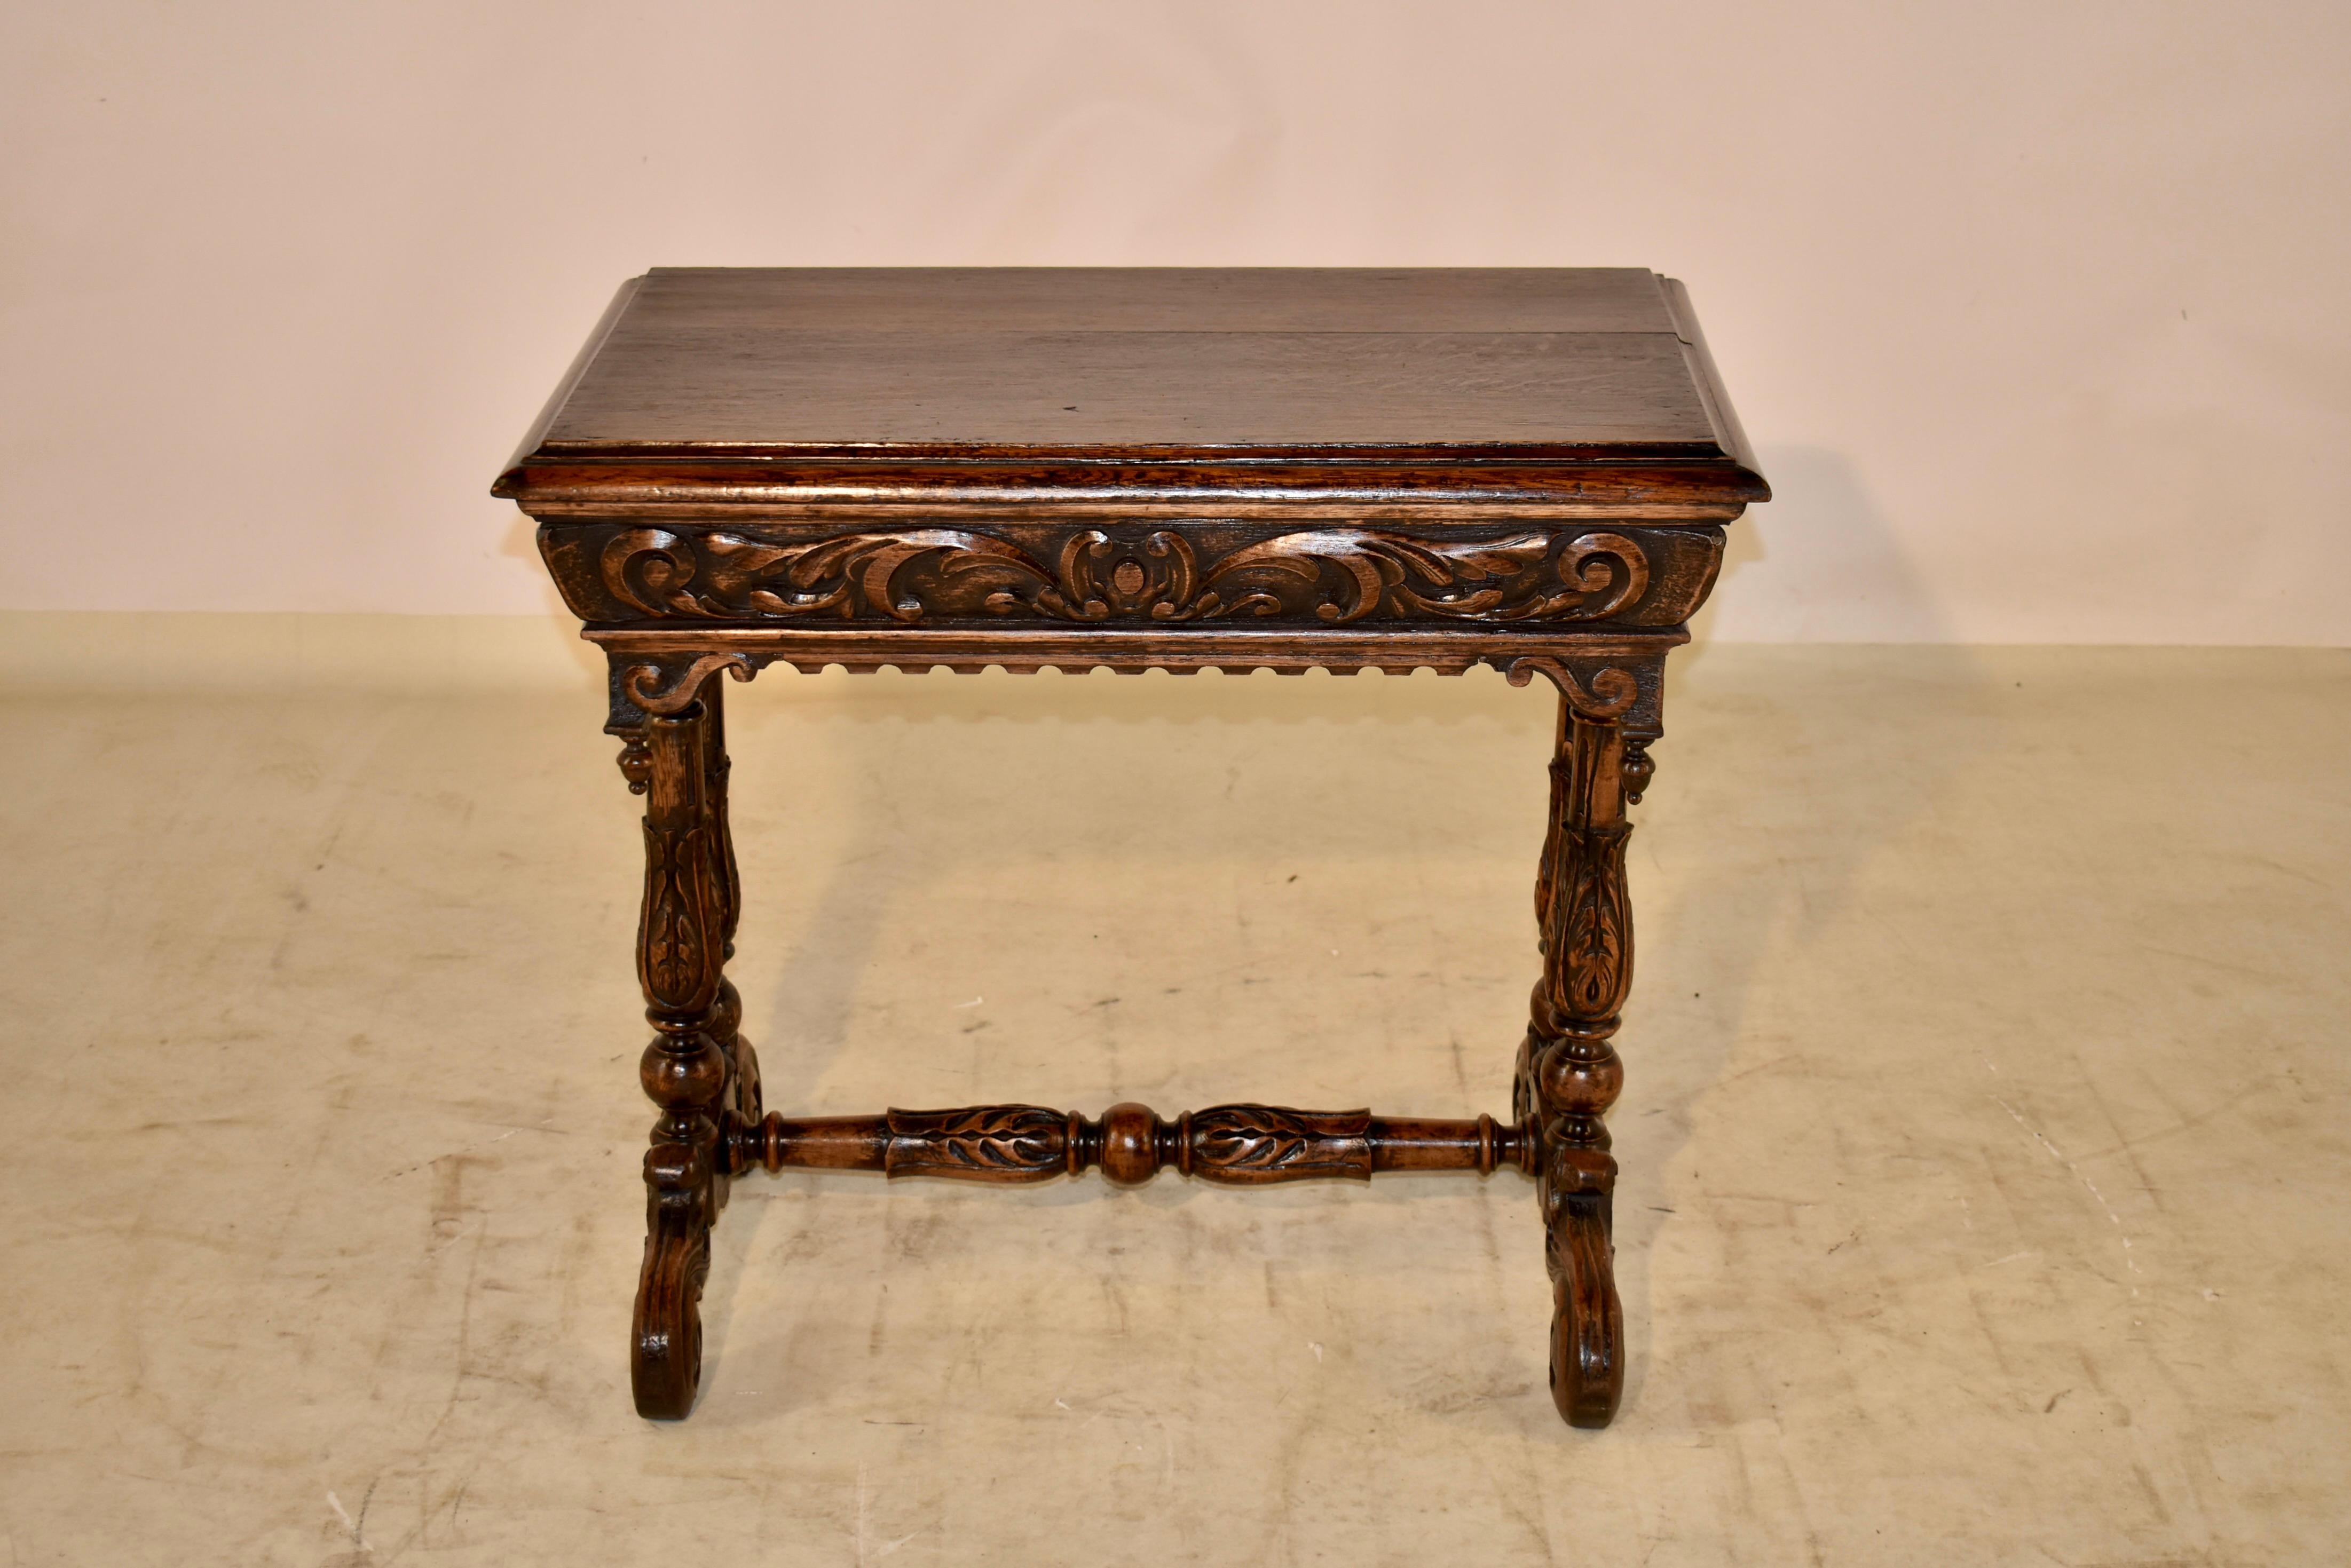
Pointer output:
x,y
1587,1325
665,1359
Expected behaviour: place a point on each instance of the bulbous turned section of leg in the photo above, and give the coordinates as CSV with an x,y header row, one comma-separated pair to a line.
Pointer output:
x,y
1576,1080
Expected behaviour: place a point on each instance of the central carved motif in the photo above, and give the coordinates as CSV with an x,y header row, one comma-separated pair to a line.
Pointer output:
x,y
1332,576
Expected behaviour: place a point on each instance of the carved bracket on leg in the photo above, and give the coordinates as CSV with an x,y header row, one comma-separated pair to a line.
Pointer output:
x,y
644,685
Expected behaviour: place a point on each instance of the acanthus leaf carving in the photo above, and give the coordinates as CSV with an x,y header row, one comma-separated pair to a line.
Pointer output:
x,y
1329,576
1590,935
1232,1141
676,953
1003,1142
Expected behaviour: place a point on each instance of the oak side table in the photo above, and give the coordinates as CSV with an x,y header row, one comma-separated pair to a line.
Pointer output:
x,y
1186,469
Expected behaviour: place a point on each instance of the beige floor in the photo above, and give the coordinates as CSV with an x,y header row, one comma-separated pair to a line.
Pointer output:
x,y
1987,1182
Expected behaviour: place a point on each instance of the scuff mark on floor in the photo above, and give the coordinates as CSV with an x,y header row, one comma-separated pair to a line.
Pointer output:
x,y
350,1524
2058,1155
868,1548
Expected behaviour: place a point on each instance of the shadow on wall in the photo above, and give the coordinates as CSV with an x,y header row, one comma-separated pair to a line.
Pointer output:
x,y
1807,759
1819,563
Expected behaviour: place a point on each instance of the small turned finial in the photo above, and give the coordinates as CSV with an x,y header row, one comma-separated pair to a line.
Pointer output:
x,y
1639,769
636,763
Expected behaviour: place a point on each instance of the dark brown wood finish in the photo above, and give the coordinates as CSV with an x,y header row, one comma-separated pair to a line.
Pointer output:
x,y
1262,392
1135,468
1237,1145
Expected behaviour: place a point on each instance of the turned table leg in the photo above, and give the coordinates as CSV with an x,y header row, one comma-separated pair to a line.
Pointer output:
x,y
704,1077
1568,1073
690,1070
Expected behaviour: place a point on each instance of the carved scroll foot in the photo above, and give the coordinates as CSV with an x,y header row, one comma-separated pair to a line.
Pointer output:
x,y
1587,1325
665,1363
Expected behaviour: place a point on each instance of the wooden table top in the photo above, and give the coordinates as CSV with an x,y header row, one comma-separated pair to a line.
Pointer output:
x,y
1572,387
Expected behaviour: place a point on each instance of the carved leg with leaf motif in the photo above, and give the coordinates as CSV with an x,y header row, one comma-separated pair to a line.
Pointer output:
x,y
743,1063
689,1069
1568,1071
